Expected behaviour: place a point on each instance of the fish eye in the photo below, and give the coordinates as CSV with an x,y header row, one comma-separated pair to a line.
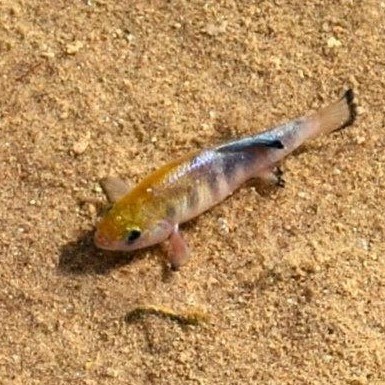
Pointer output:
x,y
133,235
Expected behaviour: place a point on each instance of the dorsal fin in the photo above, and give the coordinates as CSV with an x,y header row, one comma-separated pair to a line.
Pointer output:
x,y
114,187
250,143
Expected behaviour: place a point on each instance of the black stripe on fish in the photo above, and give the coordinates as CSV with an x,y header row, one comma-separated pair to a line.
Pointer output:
x,y
230,166
250,143
213,181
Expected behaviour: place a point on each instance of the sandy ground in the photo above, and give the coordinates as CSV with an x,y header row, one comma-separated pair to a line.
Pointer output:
x,y
290,282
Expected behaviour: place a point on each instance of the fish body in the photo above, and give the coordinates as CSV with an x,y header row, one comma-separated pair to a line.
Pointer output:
x,y
151,212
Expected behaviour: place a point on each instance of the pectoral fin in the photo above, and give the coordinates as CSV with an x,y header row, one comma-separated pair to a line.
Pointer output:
x,y
114,188
178,253
272,175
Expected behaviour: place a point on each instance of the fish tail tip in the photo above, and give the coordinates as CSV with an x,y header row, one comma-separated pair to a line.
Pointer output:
x,y
349,97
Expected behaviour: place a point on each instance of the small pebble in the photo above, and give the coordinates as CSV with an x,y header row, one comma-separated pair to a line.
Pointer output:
x,y
333,42
223,226
81,145
111,372
327,358
74,47
213,30
48,54
129,37
363,244
360,139
16,358
91,209
303,195
97,188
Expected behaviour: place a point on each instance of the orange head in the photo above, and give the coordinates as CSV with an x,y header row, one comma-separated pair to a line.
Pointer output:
x,y
128,226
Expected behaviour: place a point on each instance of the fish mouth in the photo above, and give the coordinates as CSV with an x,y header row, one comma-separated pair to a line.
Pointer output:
x,y
103,242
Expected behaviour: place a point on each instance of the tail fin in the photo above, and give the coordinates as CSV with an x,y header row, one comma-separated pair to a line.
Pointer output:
x,y
334,117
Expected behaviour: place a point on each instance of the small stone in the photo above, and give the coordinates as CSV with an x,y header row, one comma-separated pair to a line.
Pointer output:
x,y
374,257
333,42
32,202
212,114
291,301
213,30
358,381
111,372
360,139
325,27
88,365
73,48
48,54
118,32
16,358
129,37
81,145
91,209
98,189
327,358
302,195
363,244
223,226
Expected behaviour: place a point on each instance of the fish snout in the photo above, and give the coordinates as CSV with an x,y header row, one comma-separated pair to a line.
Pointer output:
x,y
101,240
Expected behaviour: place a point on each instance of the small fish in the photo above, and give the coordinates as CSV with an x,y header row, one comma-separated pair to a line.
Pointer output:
x,y
151,212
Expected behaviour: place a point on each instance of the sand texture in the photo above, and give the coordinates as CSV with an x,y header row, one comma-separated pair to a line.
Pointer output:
x,y
285,286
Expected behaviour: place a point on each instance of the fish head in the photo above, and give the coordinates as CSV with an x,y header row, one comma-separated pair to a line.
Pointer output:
x,y
130,228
